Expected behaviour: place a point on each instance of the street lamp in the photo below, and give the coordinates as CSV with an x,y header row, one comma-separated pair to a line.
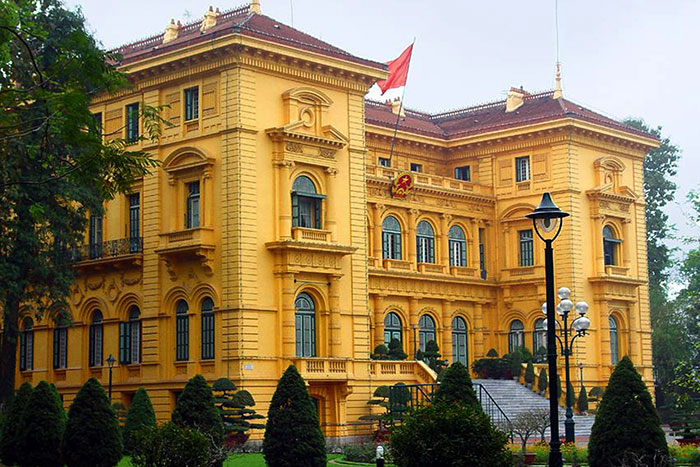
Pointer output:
x,y
579,327
547,220
110,364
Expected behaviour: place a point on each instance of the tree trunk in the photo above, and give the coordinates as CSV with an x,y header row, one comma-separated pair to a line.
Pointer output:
x,y
8,352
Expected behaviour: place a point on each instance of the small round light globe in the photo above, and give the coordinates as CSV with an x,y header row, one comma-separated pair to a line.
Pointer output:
x,y
544,308
581,308
581,324
566,305
563,293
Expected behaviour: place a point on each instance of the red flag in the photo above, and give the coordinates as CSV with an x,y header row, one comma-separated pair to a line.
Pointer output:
x,y
398,71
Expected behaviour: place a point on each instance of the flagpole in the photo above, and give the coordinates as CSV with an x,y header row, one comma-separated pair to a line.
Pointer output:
x,y
398,116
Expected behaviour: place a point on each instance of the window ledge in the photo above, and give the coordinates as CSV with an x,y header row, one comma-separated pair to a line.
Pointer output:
x,y
612,270
462,271
524,185
397,264
431,268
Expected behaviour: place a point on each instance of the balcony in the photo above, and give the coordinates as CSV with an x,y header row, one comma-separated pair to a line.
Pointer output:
x,y
423,180
311,235
405,371
121,252
188,244
324,369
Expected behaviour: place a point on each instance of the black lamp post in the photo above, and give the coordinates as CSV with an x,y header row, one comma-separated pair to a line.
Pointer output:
x,y
580,373
110,364
579,328
547,220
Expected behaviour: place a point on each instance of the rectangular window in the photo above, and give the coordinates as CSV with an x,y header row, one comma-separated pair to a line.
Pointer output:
x,y
182,338
98,122
384,162
95,240
134,223
522,169
207,336
192,214
192,103
130,342
60,348
26,350
526,254
482,254
132,122
463,173
416,167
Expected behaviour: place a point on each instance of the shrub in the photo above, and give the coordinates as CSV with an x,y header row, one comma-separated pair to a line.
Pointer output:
x,y
92,431
515,364
380,353
140,415
396,350
45,422
491,368
432,357
626,425
456,387
530,372
525,425
11,439
492,353
195,409
449,434
293,436
582,402
235,411
169,445
542,381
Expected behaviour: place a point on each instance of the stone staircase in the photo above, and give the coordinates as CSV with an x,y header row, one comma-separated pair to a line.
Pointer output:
x,y
514,398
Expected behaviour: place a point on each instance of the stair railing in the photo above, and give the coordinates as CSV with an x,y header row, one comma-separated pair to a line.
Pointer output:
x,y
498,417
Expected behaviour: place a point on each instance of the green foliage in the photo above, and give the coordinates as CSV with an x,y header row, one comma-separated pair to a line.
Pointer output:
x,y
530,372
456,387
380,353
596,393
542,381
92,431
492,353
52,171
516,364
449,434
432,357
626,424
582,402
170,445
380,398
195,408
685,419
399,397
235,409
293,436
491,368
44,425
11,438
140,415
396,350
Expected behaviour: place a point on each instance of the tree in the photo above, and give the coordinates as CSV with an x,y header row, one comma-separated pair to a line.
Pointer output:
x,y
92,432
432,357
45,422
293,436
456,387
11,439
195,408
449,434
582,402
235,410
530,372
492,353
524,425
542,381
56,165
396,350
139,416
380,353
626,424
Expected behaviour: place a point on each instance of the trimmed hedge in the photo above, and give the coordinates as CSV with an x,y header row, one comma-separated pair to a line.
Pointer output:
x,y
139,416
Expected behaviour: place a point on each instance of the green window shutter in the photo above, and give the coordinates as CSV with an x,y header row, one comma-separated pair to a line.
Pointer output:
x,y
295,210
317,213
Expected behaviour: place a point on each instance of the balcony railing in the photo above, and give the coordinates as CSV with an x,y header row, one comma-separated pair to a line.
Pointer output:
x,y
108,249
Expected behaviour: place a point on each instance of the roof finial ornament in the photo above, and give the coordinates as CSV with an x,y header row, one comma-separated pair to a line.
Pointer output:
x,y
209,20
255,7
557,87
171,31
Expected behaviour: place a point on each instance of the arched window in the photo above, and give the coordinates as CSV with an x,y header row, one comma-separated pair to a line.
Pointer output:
x,y
95,347
539,340
207,328
182,331
392,328
515,335
610,246
26,345
426,331
458,246
305,325
614,344
306,204
425,241
60,344
459,341
130,337
391,238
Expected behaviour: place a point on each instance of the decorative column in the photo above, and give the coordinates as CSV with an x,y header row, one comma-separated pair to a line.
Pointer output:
x,y
331,203
334,302
473,246
284,201
597,235
478,331
506,245
413,323
174,207
412,215
377,233
627,243
446,349
378,320
445,240
208,190
288,311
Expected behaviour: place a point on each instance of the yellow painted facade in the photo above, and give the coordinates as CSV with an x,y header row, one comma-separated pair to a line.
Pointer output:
x,y
268,113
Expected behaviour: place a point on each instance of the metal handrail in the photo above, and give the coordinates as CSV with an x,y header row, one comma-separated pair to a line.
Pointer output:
x,y
498,417
108,249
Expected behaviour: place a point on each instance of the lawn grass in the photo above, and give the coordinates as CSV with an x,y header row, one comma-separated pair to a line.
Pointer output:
x,y
241,460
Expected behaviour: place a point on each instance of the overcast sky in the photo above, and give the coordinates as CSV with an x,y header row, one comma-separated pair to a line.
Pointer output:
x,y
623,58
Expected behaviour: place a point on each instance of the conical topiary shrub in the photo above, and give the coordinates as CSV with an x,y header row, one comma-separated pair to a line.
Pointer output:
x,y
456,387
396,350
11,439
582,402
92,432
195,408
293,437
542,381
530,372
45,422
627,428
140,415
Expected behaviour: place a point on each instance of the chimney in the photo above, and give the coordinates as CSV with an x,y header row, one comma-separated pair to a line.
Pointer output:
x,y
255,7
396,106
171,31
516,98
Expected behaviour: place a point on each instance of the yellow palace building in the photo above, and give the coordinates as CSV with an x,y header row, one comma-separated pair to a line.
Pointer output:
x,y
269,235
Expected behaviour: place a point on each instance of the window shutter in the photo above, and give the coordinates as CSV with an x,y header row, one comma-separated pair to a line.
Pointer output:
x,y
209,99
173,113
397,246
317,213
63,345
55,348
295,210
22,351
92,346
135,345
29,350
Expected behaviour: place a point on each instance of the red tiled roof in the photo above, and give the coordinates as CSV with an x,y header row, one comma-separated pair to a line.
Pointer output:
x,y
238,21
536,108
